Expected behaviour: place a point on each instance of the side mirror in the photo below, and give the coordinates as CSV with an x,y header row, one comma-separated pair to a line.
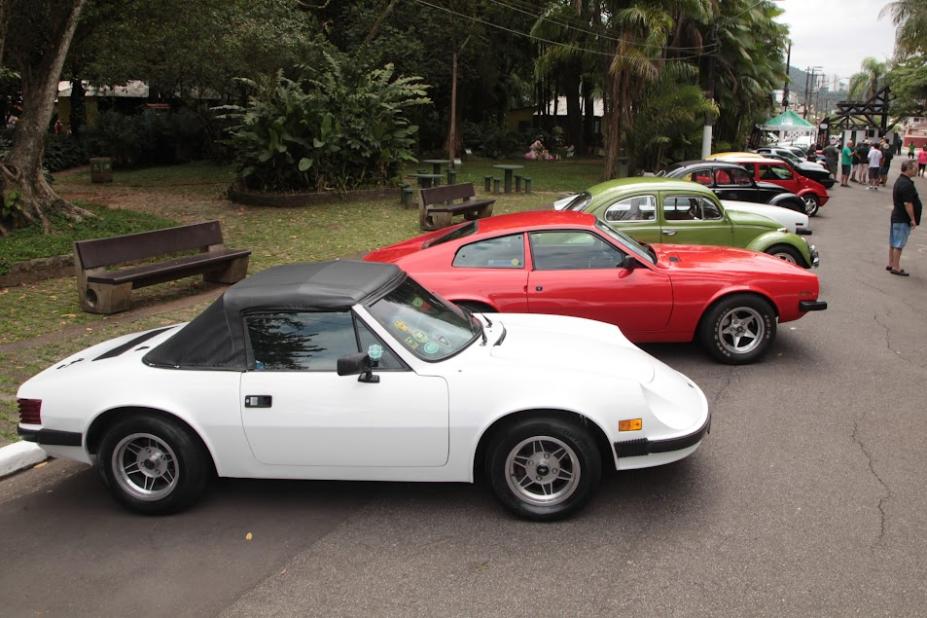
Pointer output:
x,y
357,365
627,262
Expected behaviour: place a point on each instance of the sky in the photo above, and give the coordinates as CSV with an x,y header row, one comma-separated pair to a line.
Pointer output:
x,y
837,34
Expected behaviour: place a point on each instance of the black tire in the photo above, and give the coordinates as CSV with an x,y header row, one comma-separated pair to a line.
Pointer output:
x,y
172,447
812,204
723,346
787,253
475,307
581,459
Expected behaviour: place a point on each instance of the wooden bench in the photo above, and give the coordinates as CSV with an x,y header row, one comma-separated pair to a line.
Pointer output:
x,y
107,291
439,205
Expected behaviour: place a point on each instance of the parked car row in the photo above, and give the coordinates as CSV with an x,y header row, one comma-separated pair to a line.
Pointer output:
x,y
499,349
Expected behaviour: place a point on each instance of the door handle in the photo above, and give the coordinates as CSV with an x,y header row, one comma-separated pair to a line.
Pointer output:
x,y
258,401
669,232
539,288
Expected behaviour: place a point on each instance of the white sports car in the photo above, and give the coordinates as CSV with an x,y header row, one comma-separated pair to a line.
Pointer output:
x,y
352,371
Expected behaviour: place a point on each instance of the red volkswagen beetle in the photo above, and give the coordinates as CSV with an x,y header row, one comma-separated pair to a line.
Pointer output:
x,y
571,264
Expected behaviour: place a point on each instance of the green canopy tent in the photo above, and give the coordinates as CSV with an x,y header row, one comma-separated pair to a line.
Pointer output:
x,y
788,126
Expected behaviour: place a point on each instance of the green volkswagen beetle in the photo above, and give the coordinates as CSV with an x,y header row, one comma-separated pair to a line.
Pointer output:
x,y
658,210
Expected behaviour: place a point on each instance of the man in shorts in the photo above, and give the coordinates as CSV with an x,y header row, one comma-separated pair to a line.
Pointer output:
x,y
846,163
906,215
888,153
875,166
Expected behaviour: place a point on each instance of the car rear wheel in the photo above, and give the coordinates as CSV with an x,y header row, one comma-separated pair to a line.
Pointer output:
x,y
153,465
738,329
787,254
812,204
543,468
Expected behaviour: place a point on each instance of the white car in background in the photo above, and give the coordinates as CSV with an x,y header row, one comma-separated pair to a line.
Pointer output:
x,y
793,221
352,371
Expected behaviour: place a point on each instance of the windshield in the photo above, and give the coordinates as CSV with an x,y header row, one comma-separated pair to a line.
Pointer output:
x,y
579,203
424,324
465,229
635,247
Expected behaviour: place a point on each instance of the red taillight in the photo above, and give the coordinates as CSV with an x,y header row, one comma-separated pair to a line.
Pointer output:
x,y
30,411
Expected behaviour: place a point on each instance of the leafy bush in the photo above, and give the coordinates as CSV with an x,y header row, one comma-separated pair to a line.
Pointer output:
x,y
334,127
150,138
61,152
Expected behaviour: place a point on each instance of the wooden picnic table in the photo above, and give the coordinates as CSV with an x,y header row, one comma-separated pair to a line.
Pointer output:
x,y
426,180
508,168
436,164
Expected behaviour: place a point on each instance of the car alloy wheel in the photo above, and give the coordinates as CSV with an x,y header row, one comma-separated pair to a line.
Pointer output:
x,y
145,466
544,466
738,329
787,254
542,471
811,204
741,330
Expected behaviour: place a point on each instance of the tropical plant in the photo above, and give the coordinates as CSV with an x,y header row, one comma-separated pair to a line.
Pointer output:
x,y
910,17
866,83
335,127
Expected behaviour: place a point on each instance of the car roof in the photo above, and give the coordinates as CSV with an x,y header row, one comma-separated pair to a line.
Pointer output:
x,y
652,183
215,339
534,218
704,162
746,157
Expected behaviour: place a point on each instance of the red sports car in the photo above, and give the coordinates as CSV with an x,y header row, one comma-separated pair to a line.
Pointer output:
x,y
569,263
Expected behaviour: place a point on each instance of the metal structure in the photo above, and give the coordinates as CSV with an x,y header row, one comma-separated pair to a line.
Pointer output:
x,y
851,115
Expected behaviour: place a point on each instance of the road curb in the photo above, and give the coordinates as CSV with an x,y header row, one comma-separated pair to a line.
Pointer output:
x,y
18,456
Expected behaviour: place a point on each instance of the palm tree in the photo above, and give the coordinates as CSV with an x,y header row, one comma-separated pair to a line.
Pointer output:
x,y
910,16
867,82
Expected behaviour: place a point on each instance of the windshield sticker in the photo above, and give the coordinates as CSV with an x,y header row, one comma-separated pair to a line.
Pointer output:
x,y
417,302
420,336
431,348
375,351
400,325
411,343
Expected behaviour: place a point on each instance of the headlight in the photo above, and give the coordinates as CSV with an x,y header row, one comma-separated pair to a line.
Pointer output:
x,y
783,229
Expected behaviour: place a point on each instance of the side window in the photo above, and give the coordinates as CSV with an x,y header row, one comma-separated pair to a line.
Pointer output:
x,y
504,252
572,251
776,172
741,177
767,173
638,208
300,341
682,208
702,177
312,341
723,177
710,210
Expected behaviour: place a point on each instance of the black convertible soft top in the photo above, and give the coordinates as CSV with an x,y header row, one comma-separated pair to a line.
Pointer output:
x,y
215,339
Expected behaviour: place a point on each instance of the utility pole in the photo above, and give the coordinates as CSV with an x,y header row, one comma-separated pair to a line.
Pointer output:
x,y
788,78
708,128
807,69
452,130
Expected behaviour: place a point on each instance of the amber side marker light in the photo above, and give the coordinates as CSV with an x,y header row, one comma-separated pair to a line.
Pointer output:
x,y
631,424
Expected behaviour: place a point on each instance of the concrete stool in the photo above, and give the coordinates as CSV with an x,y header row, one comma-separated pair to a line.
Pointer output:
x,y
527,180
487,183
496,185
517,183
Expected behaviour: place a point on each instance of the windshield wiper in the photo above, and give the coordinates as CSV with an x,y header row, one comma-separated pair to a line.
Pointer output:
x,y
473,318
501,337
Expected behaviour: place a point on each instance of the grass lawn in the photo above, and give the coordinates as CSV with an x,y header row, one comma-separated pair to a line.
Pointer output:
x,y
195,192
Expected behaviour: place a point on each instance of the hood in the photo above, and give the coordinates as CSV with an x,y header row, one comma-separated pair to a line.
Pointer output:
x,y
785,217
565,343
712,258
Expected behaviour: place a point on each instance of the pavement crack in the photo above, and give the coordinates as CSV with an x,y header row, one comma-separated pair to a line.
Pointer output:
x,y
888,492
724,386
888,335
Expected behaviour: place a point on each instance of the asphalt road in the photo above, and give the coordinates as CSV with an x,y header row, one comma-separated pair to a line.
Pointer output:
x,y
807,499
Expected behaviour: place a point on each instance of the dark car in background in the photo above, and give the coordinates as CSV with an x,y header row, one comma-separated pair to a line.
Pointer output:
x,y
730,181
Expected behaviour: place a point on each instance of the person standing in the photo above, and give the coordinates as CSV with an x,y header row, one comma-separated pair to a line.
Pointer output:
x,y
906,215
830,157
888,153
911,151
921,161
862,154
846,163
854,170
875,166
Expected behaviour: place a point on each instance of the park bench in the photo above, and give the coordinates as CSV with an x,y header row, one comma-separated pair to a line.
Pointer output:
x,y
439,205
107,291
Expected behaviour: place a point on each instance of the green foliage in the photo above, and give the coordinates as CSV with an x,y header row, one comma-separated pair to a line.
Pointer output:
x,y
335,127
63,152
908,80
31,242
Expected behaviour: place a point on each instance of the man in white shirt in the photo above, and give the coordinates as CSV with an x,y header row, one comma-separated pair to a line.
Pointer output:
x,y
875,164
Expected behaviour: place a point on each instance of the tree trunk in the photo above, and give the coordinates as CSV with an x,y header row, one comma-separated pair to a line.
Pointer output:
x,y
613,124
588,118
23,181
574,133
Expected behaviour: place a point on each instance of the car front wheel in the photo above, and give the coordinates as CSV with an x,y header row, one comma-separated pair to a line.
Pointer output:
x,y
787,254
812,204
544,468
738,329
153,465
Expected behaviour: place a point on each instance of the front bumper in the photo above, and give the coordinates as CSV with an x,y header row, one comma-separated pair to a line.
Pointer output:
x,y
646,446
50,437
812,305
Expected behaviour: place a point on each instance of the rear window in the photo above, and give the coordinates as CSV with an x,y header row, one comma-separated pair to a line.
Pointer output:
x,y
464,230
